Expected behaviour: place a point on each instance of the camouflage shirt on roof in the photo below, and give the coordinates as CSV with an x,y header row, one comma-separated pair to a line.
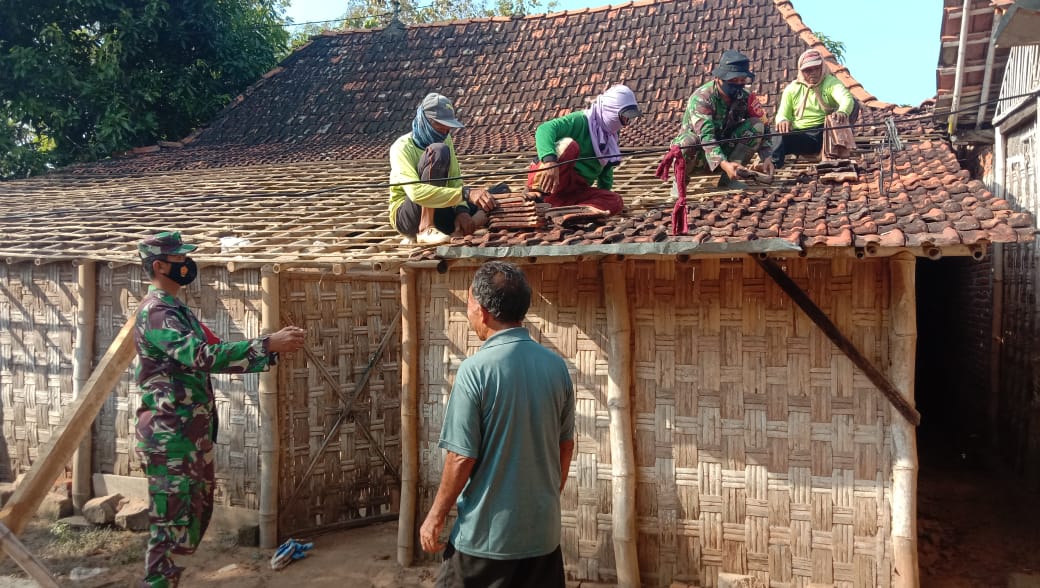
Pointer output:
x,y
709,118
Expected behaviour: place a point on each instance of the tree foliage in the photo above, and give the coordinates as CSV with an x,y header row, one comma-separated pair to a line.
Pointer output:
x,y
80,79
832,45
377,13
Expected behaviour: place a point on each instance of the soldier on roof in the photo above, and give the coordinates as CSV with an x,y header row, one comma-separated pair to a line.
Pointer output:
x,y
812,100
428,202
724,110
581,149
177,419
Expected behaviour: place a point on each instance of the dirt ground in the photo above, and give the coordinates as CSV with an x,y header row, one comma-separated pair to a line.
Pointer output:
x,y
976,528
976,525
357,557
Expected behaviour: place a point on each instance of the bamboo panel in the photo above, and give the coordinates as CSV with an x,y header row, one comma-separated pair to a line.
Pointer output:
x,y
37,337
345,319
774,455
229,303
759,448
566,316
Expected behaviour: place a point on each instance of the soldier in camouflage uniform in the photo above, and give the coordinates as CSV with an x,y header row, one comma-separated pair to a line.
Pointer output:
x,y
177,419
724,109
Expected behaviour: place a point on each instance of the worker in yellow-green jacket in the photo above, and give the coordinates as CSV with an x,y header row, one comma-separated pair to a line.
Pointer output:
x,y
428,201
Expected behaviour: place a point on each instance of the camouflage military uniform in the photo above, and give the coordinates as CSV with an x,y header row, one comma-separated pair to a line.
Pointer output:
x,y
177,420
708,118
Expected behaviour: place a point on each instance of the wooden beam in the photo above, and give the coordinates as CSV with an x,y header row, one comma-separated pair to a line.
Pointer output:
x,y
33,567
840,340
67,436
406,530
619,407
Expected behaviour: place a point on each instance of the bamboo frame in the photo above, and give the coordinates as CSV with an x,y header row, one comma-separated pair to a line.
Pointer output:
x,y
270,315
409,418
86,292
619,406
347,410
902,351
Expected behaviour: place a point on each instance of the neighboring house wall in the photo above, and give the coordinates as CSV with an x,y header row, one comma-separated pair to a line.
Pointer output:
x,y
1018,180
759,448
38,313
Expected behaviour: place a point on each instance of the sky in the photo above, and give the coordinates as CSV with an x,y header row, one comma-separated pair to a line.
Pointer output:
x,y
891,46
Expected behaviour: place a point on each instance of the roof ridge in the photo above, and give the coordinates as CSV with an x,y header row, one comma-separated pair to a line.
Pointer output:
x,y
839,70
541,15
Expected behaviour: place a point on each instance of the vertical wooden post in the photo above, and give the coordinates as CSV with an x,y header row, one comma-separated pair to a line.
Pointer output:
x,y
270,319
409,418
903,353
86,294
619,406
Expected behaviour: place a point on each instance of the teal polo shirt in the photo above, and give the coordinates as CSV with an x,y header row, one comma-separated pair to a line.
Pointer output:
x,y
510,408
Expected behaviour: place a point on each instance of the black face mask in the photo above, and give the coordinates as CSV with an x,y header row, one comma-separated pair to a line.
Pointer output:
x,y
732,90
184,272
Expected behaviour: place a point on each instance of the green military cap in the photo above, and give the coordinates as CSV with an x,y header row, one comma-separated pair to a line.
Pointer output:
x,y
164,243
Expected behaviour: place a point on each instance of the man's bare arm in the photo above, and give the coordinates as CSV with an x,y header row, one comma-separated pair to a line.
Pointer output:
x,y
566,454
456,473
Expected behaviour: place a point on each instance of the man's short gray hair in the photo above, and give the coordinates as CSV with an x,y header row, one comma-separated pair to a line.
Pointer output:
x,y
502,290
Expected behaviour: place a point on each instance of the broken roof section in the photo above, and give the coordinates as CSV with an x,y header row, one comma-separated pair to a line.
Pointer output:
x,y
292,171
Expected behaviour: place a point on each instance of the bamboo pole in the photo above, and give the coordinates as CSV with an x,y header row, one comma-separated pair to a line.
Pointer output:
x,y
409,418
86,292
270,315
903,351
619,406
66,437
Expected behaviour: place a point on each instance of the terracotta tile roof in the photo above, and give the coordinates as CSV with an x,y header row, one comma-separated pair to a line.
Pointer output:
x,y
349,94
294,171
929,205
334,213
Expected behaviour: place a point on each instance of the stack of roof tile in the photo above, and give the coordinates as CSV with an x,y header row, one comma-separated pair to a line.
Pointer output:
x,y
516,211
837,170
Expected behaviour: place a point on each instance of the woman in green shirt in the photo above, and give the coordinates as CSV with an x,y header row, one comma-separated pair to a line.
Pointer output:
x,y
581,149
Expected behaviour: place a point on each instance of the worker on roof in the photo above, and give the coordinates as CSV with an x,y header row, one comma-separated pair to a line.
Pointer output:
x,y
580,149
727,123
814,99
428,202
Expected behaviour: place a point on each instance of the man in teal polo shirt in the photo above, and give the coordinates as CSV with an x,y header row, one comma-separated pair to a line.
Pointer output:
x,y
508,432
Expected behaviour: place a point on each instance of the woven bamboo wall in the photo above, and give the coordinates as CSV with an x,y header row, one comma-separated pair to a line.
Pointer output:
x,y
229,303
760,449
37,328
345,319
